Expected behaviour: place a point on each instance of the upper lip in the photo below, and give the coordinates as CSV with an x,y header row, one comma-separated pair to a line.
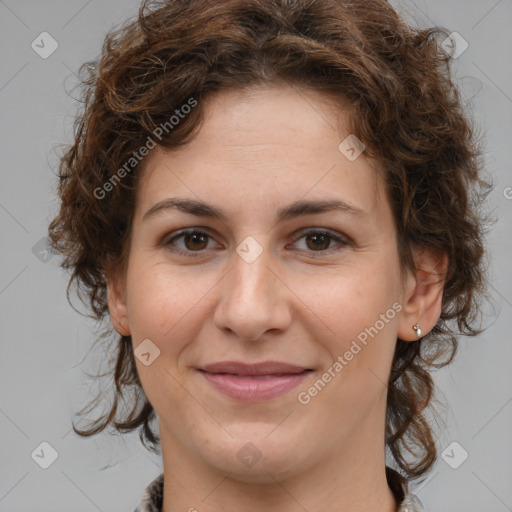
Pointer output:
x,y
264,368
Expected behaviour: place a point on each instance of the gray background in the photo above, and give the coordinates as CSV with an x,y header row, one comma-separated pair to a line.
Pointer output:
x,y
45,344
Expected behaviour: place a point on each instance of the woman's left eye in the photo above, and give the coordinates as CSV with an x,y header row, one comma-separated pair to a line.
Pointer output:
x,y
320,240
195,241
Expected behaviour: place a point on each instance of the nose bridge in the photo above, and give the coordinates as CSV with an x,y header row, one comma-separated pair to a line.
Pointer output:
x,y
250,280
252,299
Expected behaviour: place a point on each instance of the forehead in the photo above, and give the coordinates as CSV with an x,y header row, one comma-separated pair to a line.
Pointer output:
x,y
261,147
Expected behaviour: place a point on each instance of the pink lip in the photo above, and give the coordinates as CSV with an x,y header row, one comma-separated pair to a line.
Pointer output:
x,y
254,382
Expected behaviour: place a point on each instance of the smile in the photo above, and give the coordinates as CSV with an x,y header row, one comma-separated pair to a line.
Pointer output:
x,y
253,382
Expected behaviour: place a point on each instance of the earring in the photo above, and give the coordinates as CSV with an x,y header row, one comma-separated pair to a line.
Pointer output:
x,y
417,328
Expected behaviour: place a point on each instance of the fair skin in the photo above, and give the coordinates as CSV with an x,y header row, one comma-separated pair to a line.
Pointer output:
x,y
302,301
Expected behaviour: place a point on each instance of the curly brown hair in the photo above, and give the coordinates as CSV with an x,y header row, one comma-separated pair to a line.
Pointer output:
x,y
405,108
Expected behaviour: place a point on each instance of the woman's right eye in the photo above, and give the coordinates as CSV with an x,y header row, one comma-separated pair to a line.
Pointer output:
x,y
193,240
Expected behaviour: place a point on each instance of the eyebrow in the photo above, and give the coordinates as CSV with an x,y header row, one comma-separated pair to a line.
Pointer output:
x,y
293,210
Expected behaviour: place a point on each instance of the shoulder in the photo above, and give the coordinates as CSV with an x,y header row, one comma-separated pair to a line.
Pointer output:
x,y
407,502
152,498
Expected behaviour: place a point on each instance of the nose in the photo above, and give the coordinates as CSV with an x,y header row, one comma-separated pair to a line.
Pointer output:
x,y
253,299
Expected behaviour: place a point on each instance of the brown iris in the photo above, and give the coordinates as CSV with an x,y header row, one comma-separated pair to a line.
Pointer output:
x,y
195,239
323,240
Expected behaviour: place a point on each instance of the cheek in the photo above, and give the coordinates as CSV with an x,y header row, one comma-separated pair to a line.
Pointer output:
x,y
351,301
361,309
162,307
161,300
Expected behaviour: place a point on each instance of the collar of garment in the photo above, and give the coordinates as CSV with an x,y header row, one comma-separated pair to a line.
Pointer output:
x,y
153,495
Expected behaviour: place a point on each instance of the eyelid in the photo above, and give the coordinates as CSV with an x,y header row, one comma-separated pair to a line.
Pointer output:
x,y
325,231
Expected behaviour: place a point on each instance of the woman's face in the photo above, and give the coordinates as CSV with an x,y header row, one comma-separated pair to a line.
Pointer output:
x,y
310,288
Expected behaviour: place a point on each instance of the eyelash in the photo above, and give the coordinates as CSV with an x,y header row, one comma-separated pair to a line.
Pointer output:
x,y
194,254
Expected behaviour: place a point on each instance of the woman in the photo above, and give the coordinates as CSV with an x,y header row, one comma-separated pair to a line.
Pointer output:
x,y
276,202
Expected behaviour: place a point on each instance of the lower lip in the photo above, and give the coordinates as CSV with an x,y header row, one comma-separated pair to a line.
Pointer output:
x,y
254,389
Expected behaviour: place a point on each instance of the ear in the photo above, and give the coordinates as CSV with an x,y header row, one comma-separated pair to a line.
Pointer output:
x,y
423,295
117,305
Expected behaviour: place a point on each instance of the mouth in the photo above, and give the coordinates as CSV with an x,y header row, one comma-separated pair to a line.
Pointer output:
x,y
254,382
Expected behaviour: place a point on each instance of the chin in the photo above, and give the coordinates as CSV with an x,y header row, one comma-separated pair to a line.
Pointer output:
x,y
257,460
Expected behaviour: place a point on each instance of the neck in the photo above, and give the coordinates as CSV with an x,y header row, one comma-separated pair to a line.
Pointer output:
x,y
350,479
